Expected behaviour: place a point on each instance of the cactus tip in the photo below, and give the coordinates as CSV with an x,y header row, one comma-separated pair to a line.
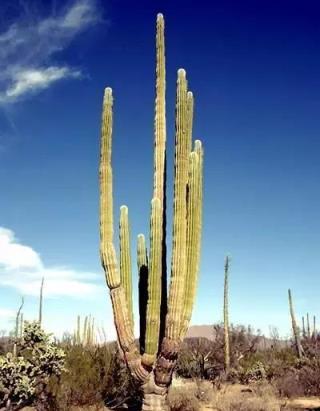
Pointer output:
x,y
124,209
159,17
182,73
190,94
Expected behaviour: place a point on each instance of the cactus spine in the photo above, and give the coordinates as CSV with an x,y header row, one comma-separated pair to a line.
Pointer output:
x,y
226,316
295,329
162,323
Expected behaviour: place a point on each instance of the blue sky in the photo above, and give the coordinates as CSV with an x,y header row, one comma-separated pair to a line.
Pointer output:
x,y
254,70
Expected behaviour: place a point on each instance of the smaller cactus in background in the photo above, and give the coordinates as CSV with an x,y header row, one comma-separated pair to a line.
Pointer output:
x,y
295,328
41,301
86,335
314,328
303,328
226,316
308,327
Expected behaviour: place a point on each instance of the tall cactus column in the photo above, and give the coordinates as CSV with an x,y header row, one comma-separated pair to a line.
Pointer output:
x,y
295,328
163,323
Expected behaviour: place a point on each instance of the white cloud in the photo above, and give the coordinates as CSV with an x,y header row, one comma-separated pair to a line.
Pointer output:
x,y
22,269
27,48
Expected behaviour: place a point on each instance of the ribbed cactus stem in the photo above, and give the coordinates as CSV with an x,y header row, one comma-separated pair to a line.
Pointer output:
x,y
303,328
109,262
41,301
193,236
125,259
107,250
226,316
314,327
295,328
18,318
178,262
154,285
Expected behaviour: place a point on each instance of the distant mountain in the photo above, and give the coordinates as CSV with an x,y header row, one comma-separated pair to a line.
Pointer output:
x,y
208,331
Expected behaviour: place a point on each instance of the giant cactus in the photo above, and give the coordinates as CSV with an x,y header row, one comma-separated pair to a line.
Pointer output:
x,y
163,321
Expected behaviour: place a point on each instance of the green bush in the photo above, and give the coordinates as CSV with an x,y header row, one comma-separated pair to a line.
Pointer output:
x,y
25,374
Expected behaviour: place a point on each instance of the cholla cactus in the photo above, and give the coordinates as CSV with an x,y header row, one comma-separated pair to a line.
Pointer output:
x,y
23,375
163,321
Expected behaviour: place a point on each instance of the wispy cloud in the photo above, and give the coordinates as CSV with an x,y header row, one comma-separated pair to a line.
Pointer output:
x,y
28,46
22,268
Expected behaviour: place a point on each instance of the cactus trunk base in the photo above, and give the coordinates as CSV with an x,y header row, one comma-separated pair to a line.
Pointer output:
x,y
154,397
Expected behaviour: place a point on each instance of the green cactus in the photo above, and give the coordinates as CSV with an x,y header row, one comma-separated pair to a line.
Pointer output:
x,y
41,301
308,327
163,322
295,328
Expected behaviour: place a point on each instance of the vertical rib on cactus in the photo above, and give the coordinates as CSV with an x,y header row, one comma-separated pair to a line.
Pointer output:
x,y
125,259
226,316
193,236
142,260
159,178
303,328
178,263
295,328
154,285
41,301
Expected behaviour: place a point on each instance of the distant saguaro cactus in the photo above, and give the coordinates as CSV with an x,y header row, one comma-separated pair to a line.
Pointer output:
x,y
295,328
303,328
308,327
226,316
41,301
163,322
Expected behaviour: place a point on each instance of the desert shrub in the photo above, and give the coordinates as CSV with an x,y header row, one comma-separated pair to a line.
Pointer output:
x,y
302,379
25,374
260,397
183,399
94,375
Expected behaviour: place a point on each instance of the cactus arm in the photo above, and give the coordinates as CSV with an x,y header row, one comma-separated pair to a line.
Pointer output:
x,y
303,328
125,259
226,316
159,178
154,285
314,327
194,212
142,261
295,328
178,263
107,249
